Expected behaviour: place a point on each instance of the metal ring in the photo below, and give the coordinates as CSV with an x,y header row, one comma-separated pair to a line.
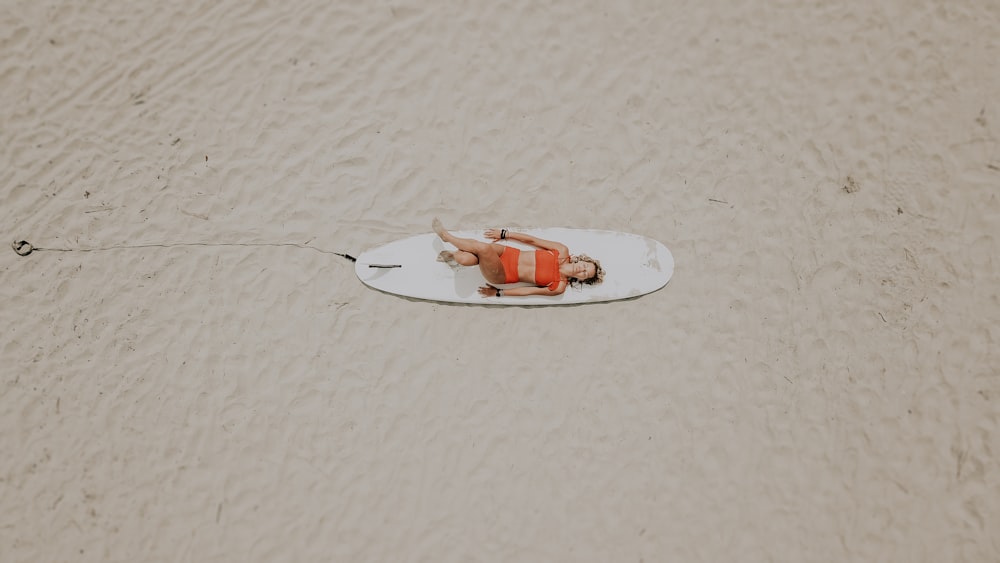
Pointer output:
x,y
22,247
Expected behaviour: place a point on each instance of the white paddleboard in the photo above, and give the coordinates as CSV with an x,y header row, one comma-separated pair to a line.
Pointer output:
x,y
634,266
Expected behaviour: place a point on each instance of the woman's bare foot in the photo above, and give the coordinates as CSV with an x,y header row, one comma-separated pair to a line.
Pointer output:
x,y
448,257
439,228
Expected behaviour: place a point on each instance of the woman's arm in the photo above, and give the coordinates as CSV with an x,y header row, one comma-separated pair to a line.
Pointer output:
x,y
495,234
490,291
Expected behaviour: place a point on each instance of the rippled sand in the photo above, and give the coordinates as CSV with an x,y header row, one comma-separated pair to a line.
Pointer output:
x,y
818,382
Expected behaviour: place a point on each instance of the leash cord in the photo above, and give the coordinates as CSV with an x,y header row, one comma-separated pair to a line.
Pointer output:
x,y
24,248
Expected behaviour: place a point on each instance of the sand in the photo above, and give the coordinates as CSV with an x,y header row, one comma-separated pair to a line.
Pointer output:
x,y
818,382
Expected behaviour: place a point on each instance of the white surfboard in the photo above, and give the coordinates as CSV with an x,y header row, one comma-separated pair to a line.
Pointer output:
x,y
634,266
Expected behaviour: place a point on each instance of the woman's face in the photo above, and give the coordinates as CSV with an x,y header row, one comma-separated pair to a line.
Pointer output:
x,y
584,270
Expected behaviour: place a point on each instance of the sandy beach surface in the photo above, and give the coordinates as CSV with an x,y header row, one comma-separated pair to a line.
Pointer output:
x,y
818,382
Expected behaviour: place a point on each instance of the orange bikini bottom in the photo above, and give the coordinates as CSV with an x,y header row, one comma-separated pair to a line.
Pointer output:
x,y
509,260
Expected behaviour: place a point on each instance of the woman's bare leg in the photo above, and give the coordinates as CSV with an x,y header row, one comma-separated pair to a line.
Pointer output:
x,y
458,258
486,255
465,258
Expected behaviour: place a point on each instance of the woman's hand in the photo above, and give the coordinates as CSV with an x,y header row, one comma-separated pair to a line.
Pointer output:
x,y
488,291
493,234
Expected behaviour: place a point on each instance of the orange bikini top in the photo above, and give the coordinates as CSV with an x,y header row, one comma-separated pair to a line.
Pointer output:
x,y
547,269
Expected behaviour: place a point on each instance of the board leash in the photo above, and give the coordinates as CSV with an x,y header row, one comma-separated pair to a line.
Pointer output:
x,y
24,248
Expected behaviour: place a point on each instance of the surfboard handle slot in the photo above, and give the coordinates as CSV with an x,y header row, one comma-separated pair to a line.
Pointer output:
x,y
385,265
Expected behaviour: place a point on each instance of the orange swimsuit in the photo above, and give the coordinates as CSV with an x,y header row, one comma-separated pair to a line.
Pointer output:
x,y
509,261
546,267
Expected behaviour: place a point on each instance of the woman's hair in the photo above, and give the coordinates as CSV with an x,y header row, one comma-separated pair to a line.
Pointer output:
x,y
598,276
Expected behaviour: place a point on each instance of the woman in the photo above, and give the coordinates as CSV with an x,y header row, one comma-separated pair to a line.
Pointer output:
x,y
550,268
